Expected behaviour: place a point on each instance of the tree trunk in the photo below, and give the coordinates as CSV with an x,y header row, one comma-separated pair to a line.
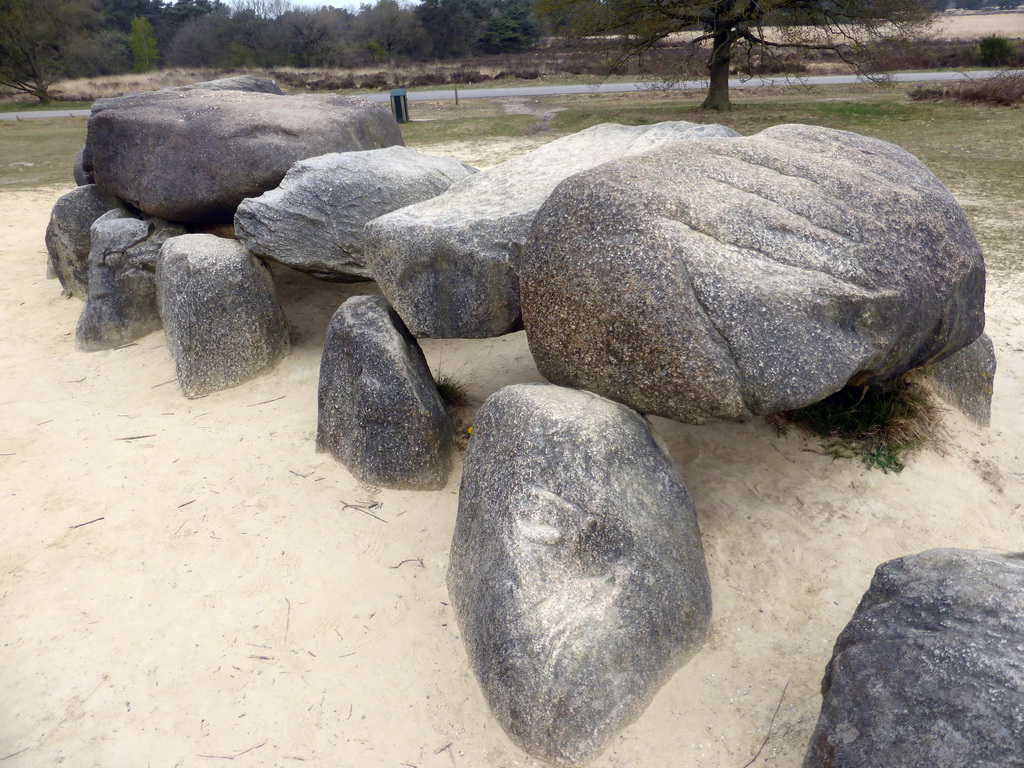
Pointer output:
x,y
718,89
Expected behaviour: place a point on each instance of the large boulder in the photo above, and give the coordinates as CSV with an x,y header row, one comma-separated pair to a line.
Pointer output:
x,y
67,235
314,220
721,279
379,410
194,155
577,572
83,160
929,673
220,312
121,304
247,83
449,265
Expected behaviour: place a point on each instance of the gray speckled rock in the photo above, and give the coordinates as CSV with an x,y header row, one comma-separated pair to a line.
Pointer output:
x,y
965,379
121,304
314,220
220,312
379,409
717,280
929,673
67,235
194,155
78,170
577,571
449,264
249,83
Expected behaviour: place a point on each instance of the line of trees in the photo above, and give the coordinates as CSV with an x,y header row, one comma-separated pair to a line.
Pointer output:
x,y
42,41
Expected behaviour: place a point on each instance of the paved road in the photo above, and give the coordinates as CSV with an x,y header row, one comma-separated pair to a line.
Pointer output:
x,y
568,90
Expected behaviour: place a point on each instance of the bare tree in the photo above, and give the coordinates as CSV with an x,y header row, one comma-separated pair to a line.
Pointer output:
x,y
37,38
843,26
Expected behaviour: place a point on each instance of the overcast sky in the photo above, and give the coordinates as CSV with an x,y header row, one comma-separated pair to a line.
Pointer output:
x,y
352,5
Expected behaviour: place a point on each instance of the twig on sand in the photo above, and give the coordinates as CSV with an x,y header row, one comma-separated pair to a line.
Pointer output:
x,y
71,527
232,757
15,754
298,474
186,503
125,346
136,437
287,620
770,726
410,560
169,381
365,508
274,400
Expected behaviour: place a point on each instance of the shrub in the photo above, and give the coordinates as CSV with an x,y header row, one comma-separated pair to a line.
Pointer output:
x,y
1003,90
877,424
995,51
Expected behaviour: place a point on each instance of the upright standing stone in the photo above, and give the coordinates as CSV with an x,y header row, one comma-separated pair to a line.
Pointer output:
x,y
67,235
122,305
220,312
380,412
577,571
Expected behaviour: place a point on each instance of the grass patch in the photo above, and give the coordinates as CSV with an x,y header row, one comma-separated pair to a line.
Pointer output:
x,y
35,106
39,152
454,393
879,425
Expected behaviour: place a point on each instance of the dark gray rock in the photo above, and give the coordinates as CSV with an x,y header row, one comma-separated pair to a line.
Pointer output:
x,y
122,304
577,571
929,673
220,312
67,235
965,379
193,156
721,279
248,83
449,265
380,412
82,176
314,221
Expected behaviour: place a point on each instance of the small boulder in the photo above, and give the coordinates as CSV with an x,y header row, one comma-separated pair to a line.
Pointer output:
x,y
929,673
449,265
724,279
220,312
314,220
577,572
121,304
194,155
965,379
67,235
379,410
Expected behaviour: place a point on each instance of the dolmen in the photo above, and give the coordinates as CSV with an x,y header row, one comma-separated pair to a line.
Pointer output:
x,y
159,166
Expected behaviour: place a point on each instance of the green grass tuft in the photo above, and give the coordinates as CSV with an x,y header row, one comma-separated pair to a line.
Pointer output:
x,y
454,393
877,424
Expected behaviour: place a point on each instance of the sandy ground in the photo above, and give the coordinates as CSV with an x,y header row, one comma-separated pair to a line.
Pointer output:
x,y
240,596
